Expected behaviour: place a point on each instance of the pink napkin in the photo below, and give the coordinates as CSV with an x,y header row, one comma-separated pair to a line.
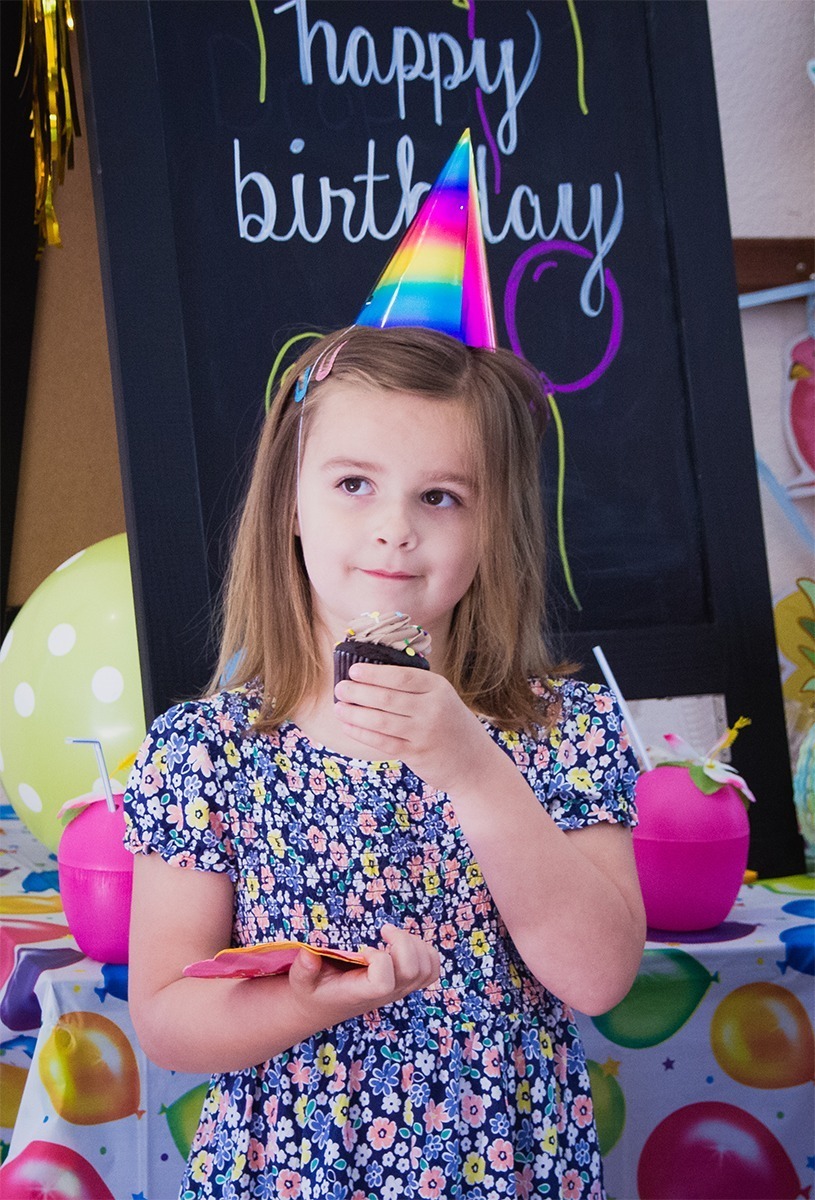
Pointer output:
x,y
267,958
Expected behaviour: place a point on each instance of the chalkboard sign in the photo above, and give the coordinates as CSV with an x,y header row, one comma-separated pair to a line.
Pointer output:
x,y
257,162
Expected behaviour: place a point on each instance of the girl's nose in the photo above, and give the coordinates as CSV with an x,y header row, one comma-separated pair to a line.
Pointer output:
x,y
395,528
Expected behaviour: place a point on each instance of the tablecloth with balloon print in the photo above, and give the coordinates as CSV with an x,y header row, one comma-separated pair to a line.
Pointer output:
x,y
701,1077
91,1117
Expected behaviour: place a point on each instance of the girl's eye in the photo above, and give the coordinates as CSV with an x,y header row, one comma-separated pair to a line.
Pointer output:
x,y
354,486
439,499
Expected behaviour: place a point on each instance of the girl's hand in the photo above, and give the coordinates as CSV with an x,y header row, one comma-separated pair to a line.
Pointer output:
x,y
418,718
329,994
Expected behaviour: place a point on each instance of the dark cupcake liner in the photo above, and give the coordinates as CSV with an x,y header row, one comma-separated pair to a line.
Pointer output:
x,y
348,653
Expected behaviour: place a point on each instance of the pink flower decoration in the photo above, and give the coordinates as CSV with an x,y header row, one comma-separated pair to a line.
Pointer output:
x,y
431,1183
382,1133
501,1155
572,1186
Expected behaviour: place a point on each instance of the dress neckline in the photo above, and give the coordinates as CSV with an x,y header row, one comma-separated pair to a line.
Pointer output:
x,y
349,760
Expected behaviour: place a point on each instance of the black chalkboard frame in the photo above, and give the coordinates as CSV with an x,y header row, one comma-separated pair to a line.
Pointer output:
x,y
734,653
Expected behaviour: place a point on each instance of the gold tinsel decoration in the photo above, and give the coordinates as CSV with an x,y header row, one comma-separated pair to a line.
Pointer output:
x,y
45,48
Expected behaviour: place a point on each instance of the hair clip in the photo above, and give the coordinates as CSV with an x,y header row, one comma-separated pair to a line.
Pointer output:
x,y
325,367
301,387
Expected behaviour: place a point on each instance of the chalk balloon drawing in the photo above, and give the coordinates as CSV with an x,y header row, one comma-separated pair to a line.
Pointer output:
x,y
548,253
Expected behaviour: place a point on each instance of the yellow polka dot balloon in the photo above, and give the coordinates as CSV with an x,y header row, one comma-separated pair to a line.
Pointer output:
x,y
69,667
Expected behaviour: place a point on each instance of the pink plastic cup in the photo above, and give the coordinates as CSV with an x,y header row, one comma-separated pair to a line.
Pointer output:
x,y
690,849
96,881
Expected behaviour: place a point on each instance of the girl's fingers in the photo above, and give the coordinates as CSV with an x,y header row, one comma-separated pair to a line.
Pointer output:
x,y
375,699
372,721
404,953
368,714
381,973
416,961
401,679
407,964
304,972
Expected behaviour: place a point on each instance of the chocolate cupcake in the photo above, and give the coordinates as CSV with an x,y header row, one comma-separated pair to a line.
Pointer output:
x,y
382,638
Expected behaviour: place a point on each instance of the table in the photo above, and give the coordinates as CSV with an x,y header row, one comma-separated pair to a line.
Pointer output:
x,y
706,1065
77,1089
702,1076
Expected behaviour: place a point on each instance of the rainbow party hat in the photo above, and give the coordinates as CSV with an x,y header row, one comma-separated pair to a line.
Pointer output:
x,y
437,276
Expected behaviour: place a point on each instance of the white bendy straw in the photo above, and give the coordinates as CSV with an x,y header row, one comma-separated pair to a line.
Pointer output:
x,y
100,762
639,745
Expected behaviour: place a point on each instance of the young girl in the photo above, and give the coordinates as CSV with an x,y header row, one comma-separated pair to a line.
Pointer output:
x,y
467,827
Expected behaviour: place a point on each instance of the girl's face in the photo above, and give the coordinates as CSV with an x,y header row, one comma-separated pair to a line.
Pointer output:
x,y
388,511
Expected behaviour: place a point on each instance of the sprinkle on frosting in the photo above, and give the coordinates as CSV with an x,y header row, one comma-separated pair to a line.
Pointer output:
x,y
394,629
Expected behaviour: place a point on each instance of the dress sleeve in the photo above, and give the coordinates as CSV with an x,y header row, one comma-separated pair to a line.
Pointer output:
x,y
587,769
177,796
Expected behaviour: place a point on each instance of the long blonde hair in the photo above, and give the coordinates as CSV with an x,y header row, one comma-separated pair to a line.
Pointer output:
x,y
497,641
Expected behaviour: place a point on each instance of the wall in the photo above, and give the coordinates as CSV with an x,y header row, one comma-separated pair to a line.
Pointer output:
x,y
70,492
767,112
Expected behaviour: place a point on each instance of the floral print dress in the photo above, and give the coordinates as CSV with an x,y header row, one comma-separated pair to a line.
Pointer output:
x,y
475,1088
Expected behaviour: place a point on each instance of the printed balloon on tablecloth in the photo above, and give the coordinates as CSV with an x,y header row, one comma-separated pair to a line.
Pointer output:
x,y
762,1037
46,1171
715,1151
609,1103
799,943
667,991
89,1070
790,885
114,982
19,1007
12,1082
34,906
69,667
18,933
41,881
183,1116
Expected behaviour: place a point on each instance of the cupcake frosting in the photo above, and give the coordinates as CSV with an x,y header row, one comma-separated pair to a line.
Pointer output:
x,y
392,629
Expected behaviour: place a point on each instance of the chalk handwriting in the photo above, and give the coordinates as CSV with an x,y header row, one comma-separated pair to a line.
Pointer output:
x,y
309,208
435,58
357,208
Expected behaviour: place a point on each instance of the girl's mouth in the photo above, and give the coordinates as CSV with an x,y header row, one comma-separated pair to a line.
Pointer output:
x,y
393,575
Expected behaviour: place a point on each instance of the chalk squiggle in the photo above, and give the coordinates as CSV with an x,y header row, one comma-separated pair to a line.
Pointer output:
x,y
482,112
261,50
281,354
561,488
578,43
547,251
